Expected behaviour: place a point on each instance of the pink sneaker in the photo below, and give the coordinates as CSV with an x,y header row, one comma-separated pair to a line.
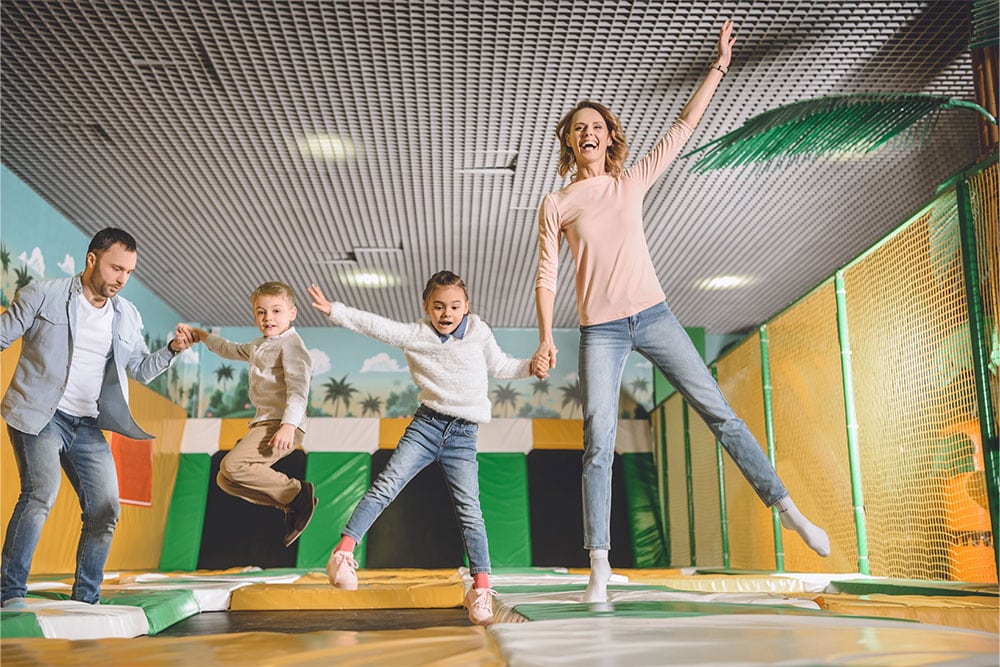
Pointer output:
x,y
479,601
342,570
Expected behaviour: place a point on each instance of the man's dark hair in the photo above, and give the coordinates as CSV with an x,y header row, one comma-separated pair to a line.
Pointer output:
x,y
109,236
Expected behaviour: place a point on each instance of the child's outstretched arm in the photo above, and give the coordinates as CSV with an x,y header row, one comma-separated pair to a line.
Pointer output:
x,y
217,344
501,365
374,326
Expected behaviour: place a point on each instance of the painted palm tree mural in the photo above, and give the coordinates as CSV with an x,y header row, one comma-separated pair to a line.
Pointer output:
x,y
573,396
639,386
223,375
506,397
540,389
338,391
371,405
4,264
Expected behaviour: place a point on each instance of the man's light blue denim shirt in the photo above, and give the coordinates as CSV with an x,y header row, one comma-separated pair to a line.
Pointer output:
x,y
42,314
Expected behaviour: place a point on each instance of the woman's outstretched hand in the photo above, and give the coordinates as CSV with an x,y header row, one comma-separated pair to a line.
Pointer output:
x,y
726,41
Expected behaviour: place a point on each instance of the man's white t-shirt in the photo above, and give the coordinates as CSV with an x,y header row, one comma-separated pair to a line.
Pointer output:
x,y
91,349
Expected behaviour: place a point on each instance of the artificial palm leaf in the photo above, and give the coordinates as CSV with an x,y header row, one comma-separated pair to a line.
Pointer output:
x,y
837,124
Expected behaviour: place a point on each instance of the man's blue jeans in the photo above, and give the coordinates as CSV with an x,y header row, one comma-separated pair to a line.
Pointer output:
x,y
450,441
76,445
657,335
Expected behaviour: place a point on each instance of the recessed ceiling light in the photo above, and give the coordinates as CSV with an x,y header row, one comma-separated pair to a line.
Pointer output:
x,y
369,279
326,146
717,283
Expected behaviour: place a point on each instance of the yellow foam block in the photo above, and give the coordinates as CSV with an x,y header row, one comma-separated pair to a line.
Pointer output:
x,y
710,583
438,646
377,589
557,433
960,611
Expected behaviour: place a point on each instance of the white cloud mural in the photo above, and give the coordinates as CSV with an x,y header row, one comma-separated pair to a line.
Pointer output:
x,y
381,363
68,265
320,361
36,262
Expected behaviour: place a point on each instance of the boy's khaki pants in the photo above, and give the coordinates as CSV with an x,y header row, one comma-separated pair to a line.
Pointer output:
x,y
246,472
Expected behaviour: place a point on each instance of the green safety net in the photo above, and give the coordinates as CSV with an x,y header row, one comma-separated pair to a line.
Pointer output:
x,y
503,495
182,535
648,548
341,479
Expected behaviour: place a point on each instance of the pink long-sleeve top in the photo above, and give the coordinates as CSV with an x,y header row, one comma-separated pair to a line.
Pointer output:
x,y
601,218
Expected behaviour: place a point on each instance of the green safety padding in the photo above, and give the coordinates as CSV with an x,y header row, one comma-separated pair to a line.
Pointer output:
x,y
341,479
655,609
571,588
503,495
182,535
19,624
911,587
643,513
162,608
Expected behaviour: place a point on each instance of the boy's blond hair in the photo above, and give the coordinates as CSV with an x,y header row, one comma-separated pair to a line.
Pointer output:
x,y
274,288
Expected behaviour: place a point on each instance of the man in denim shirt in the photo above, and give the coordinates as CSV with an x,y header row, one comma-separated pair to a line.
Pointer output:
x,y
78,339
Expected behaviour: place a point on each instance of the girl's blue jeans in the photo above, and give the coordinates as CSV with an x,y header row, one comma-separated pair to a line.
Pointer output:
x,y
450,441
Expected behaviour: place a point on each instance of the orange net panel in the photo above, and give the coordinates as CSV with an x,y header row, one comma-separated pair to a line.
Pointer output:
x,y
915,396
680,542
705,486
810,428
751,535
984,189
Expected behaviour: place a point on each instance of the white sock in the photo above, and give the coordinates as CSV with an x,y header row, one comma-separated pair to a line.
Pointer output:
x,y
793,519
600,572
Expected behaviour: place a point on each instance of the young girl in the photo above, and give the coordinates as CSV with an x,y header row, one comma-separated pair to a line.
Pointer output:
x,y
450,354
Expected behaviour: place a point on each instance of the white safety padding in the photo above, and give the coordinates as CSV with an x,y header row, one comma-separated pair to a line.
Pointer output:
x,y
69,619
201,436
633,437
506,435
738,639
341,434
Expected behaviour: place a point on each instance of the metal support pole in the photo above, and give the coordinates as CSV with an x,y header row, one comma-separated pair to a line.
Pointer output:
x,y
854,456
690,481
765,372
723,517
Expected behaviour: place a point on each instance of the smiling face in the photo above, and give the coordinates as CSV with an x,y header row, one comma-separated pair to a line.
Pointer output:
x,y
445,306
273,313
589,138
107,272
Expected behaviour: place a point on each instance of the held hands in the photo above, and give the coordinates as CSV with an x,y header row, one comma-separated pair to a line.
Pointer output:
x,y
283,438
192,334
544,359
182,339
726,41
320,302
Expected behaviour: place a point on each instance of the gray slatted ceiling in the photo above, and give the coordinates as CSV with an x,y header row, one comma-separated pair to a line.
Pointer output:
x,y
179,122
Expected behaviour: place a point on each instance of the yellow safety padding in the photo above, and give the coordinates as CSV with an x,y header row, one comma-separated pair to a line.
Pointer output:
x,y
231,431
390,430
972,612
557,433
441,646
139,536
710,583
377,589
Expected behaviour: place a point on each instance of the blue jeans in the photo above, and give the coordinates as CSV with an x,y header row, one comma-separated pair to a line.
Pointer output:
x,y
450,441
657,335
78,446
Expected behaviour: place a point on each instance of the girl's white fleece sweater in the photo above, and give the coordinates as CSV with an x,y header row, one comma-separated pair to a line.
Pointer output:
x,y
451,376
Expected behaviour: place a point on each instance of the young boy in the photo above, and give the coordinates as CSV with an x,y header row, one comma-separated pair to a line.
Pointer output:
x,y
449,354
280,368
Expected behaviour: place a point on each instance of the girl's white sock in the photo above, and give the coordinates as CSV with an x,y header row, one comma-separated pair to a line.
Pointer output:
x,y
600,572
793,519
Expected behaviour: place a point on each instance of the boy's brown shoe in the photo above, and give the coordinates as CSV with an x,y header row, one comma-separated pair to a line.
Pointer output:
x,y
299,512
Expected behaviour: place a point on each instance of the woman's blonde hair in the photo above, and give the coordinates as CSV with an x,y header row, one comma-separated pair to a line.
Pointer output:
x,y
617,151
